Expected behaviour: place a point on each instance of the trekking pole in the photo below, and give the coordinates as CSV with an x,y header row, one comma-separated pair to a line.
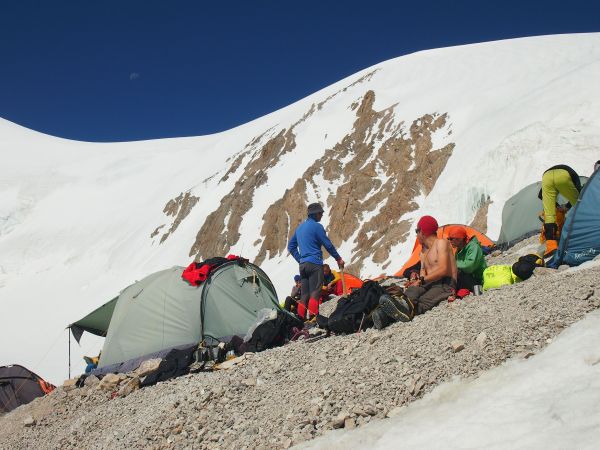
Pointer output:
x,y
361,323
344,289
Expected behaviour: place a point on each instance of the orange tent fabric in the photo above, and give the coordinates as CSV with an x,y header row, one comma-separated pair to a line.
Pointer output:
x,y
443,234
352,283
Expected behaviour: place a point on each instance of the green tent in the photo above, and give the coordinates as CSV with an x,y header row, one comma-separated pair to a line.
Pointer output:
x,y
95,322
163,311
520,214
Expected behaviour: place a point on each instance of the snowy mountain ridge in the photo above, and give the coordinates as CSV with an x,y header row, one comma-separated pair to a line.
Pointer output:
x,y
425,133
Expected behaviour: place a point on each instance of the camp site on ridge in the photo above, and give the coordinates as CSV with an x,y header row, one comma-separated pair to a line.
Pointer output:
x,y
205,355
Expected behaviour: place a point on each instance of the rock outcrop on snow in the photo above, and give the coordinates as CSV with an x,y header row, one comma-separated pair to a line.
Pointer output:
x,y
294,393
388,164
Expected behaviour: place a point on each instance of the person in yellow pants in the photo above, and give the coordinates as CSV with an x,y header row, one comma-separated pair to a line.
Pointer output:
x,y
556,180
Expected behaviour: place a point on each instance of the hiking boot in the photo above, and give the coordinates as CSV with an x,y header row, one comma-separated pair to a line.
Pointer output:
x,y
551,236
550,231
380,319
398,309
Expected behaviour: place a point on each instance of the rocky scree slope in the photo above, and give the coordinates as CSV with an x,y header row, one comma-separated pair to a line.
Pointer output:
x,y
294,393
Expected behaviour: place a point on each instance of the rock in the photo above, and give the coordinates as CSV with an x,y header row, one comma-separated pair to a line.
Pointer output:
x,y
394,412
132,384
225,365
584,294
543,271
233,362
374,339
496,253
415,385
315,410
29,421
249,382
92,380
287,443
109,382
82,391
147,367
340,420
370,410
481,340
457,346
359,411
317,401
563,267
418,386
70,384
349,423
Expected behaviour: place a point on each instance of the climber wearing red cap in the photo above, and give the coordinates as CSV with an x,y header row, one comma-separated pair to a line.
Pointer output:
x,y
470,261
437,278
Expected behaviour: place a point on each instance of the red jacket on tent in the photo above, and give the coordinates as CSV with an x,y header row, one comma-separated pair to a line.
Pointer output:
x,y
197,273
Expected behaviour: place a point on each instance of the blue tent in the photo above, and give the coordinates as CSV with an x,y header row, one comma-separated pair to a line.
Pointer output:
x,y
580,237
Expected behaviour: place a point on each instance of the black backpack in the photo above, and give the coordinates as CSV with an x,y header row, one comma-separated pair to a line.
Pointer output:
x,y
352,312
271,333
525,266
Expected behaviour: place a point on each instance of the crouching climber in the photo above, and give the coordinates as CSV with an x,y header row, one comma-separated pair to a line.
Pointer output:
x,y
330,279
91,362
470,262
291,301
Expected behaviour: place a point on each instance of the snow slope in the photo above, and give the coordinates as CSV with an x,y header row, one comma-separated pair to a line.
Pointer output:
x,y
76,217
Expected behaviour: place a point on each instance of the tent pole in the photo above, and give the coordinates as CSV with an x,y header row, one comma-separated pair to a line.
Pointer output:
x,y
69,333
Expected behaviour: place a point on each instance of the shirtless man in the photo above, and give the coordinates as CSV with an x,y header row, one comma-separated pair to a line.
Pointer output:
x,y
437,278
436,281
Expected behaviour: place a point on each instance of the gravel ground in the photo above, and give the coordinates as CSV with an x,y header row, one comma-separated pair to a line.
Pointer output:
x,y
529,245
291,394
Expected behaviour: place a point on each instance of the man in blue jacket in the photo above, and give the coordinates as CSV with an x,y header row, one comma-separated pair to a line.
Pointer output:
x,y
305,246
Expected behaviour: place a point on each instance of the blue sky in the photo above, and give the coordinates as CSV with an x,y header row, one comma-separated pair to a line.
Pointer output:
x,y
128,70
